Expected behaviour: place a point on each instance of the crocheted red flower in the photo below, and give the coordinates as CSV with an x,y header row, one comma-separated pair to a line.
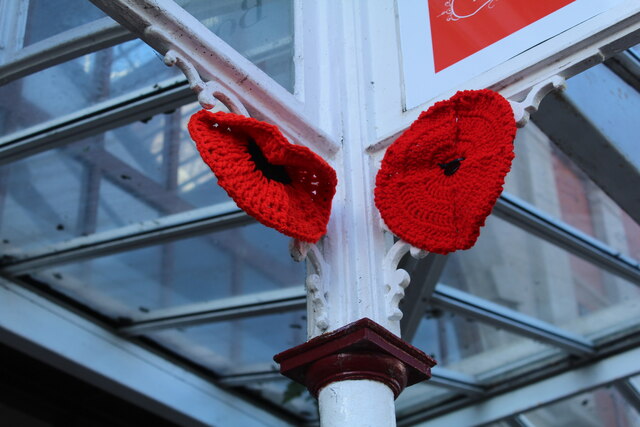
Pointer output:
x,y
441,178
284,186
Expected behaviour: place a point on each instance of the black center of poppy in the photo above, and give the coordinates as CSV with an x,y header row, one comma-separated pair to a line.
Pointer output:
x,y
451,167
272,172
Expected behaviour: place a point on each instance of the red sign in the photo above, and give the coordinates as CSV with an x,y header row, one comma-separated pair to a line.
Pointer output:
x,y
460,28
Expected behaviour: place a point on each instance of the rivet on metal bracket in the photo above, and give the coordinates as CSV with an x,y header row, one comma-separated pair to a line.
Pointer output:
x,y
523,110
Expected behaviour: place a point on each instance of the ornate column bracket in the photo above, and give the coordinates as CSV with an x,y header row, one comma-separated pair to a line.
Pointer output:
x,y
317,273
396,279
360,350
208,92
523,110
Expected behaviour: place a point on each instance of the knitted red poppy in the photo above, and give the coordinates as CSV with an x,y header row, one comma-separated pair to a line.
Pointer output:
x,y
284,186
441,178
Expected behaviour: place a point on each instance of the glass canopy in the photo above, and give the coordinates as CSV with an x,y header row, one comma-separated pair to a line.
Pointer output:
x,y
104,202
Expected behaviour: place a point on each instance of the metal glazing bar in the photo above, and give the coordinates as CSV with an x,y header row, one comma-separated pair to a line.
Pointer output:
x,y
63,47
593,374
519,421
591,150
166,26
244,379
146,233
627,67
235,307
478,308
68,341
424,277
630,393
536,222
455,381
100,118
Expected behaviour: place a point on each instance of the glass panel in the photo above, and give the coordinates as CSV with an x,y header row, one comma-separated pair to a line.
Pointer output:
x,y
546,178
237,345
286,393
602,407
419,397
611,105
470,347
635,381
138,172
260,30
47,18
80,83
517,270
236,261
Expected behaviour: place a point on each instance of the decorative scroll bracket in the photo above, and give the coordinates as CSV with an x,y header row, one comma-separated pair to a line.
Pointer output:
x,y
208,92
396,279
315,283
522,110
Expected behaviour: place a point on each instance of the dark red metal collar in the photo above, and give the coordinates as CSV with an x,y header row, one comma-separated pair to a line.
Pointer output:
x,y
360,350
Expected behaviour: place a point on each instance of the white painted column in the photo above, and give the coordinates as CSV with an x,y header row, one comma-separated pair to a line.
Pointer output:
x,y
353,282
356,403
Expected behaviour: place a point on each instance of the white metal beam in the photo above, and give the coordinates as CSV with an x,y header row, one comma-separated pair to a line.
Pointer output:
x,y
478,308
63,47
141,104
84,349
527,217
564,123
216,61
541,393
171,227
235,307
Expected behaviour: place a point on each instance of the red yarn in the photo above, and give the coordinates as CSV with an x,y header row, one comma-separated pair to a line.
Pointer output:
x,y
284,186
441,178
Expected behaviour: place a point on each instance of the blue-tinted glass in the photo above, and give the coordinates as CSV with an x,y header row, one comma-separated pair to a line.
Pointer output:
x,y
237,345
78,84
611,105
546,178
130,284
522,272
601,407
261,30
135,173
47,18
473,348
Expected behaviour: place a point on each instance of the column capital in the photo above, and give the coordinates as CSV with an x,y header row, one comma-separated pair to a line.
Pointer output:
x,y
360,350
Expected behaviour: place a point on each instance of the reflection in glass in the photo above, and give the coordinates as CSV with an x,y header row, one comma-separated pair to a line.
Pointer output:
x,y
470,347
517,270
245,345
237,261
47,18
261,30
611,105
80,83
420,397
286,393
546,178
134,173
602,407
